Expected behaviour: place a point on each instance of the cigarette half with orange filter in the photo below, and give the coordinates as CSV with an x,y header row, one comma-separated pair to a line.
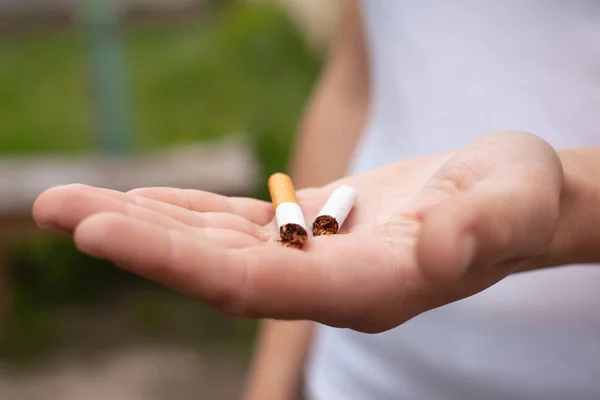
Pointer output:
x,y
288,214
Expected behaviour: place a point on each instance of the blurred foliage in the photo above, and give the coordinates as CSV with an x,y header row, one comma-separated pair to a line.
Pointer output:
x,y
49,275
65,299
241,69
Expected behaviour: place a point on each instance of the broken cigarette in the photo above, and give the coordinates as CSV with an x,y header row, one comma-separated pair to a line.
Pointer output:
x,y
332,216
288,214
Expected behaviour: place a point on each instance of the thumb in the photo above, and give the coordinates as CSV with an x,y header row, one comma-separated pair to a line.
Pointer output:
x,y
506,215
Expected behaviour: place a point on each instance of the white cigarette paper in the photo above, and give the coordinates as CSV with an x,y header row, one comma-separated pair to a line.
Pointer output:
x,y
289,213
339,204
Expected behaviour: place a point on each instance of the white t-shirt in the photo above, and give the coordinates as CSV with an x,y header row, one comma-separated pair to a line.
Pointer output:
x,y
443,73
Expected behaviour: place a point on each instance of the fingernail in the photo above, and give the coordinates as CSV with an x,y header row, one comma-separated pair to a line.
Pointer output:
x,y
47,227
51,228
466,248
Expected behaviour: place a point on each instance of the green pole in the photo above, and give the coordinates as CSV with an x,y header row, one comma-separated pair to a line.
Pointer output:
x,y
110,84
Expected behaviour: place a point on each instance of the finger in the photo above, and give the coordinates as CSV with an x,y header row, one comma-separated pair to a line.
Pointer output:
x,y
65,207
203,219
266,281
505,215
201,268
259,212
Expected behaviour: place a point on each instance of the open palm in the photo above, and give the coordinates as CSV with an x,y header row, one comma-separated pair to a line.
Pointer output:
x,y
424,232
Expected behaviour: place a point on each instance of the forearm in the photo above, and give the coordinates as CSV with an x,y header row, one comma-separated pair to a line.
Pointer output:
x,y
577,238
330,130
281,350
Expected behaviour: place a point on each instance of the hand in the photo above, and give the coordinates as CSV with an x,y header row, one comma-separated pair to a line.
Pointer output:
x,y
424,232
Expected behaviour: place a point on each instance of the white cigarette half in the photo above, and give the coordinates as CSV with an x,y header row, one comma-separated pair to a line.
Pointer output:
x,y
289,213
339,204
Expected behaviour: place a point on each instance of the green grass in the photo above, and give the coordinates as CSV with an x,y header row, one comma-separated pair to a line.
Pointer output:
x,y
42,96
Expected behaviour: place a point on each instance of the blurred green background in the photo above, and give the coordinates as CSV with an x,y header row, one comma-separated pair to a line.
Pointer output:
x,y
231,67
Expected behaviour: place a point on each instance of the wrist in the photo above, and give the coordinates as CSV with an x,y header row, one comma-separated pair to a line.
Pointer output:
x,y
577,236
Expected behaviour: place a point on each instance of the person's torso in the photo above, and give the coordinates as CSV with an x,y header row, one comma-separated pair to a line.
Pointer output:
x,y
444,73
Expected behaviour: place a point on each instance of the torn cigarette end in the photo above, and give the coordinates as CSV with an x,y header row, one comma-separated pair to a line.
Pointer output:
x,y
288,214
293,235
335,211
325,225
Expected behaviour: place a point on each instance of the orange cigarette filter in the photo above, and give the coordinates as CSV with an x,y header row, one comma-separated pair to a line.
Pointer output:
x,y
281,189
288,214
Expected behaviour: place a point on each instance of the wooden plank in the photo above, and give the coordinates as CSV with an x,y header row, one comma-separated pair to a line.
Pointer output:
x,y
227,167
